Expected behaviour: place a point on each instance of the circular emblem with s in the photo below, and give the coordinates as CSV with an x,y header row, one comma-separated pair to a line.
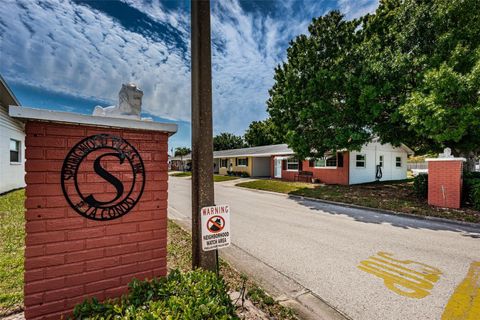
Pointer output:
x,y
104,153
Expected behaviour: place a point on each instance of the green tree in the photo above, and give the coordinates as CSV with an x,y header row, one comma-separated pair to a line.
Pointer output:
x,y
262,133
227,141
313,101
182,151
407,73
421,72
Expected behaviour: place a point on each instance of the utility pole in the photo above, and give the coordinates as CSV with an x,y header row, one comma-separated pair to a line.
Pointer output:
x,y
202,132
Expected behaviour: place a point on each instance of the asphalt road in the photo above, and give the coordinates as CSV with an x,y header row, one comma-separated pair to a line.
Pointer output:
x,y
366,264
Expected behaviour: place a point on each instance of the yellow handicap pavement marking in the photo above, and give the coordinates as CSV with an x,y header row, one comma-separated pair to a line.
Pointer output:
x,y
464,304
405,277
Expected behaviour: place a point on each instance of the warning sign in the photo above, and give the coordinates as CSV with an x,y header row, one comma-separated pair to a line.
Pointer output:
x,y
215,227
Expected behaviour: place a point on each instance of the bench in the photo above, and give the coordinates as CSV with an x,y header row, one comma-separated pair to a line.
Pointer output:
x,y
304,175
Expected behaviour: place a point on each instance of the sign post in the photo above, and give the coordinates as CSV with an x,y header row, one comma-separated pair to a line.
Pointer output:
x,y
202,132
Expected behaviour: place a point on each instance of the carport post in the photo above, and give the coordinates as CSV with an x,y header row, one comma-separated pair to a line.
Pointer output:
x,y
202,141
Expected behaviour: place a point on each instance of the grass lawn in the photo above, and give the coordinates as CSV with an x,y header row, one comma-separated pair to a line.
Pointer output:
x,y
216,178
219,178
181,174
12,233
396,196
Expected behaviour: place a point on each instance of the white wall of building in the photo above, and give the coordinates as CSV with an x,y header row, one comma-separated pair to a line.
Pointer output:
x,y
261,167
372,152
12,175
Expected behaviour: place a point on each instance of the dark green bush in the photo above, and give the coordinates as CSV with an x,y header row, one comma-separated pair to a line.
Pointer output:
x,y
420,185
244,175
194,295
471,189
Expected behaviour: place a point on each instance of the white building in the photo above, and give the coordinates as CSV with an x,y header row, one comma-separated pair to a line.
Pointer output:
x,y
384,160
374,162
12,143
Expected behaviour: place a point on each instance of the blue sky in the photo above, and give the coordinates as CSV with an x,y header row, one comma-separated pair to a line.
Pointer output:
x,y
72,55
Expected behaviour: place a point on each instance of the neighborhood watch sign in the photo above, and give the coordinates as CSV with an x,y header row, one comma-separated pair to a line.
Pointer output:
x,y
215,227
119,170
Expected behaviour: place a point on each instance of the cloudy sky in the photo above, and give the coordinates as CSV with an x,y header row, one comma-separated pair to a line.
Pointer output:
x,y
71,55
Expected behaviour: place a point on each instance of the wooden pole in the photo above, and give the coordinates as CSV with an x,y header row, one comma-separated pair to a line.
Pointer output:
x,y
202,132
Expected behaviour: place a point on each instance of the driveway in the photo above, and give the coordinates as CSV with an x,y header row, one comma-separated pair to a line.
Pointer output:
x,y
365,264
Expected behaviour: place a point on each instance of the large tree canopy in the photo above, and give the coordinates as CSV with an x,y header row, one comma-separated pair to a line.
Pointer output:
x,y
313,100
407,73
227,141
262,133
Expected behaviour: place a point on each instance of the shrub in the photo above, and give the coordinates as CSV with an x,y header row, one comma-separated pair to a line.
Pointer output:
x,y
471,189
420,185
192,295
244,175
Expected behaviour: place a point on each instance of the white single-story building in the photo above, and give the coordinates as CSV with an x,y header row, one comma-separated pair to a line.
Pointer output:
x,y
12,143
375,161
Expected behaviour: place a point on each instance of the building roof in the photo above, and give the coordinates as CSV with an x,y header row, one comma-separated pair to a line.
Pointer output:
x,y
185,157
263,151
6,95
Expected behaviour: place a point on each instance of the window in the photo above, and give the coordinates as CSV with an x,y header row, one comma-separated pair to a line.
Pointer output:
x,y
319,163
242,162
223,163
292,164
325,162
398,162
380,161
332,161
360,161
14,151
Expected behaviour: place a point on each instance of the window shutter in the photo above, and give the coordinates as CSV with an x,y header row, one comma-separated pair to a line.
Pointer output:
x,y
246,162
284,164
340,159
311,163
236,162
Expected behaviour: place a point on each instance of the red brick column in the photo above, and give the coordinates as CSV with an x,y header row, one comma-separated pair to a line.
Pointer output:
x,y
445,182
69,257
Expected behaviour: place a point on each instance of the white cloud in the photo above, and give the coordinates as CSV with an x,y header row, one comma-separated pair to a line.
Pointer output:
x,y
73,49
76,50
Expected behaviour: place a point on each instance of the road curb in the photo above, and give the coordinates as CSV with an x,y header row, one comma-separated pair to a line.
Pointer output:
x,y
285,290
391,212
383,211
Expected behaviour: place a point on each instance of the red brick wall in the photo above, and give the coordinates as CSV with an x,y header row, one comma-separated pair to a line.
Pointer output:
x,y
331,175
69,257
446,174
328,176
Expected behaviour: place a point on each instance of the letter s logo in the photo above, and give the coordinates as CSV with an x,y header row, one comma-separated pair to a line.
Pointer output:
x,y
108,177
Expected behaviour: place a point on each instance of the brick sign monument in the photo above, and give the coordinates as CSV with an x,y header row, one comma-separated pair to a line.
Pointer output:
x,y
445,179
96,207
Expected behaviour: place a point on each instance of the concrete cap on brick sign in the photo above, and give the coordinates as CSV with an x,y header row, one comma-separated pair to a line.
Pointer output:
x,y
23,113
445,159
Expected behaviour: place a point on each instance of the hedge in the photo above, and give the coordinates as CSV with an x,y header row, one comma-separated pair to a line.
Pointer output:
x,y
420,185
471,189
194,295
